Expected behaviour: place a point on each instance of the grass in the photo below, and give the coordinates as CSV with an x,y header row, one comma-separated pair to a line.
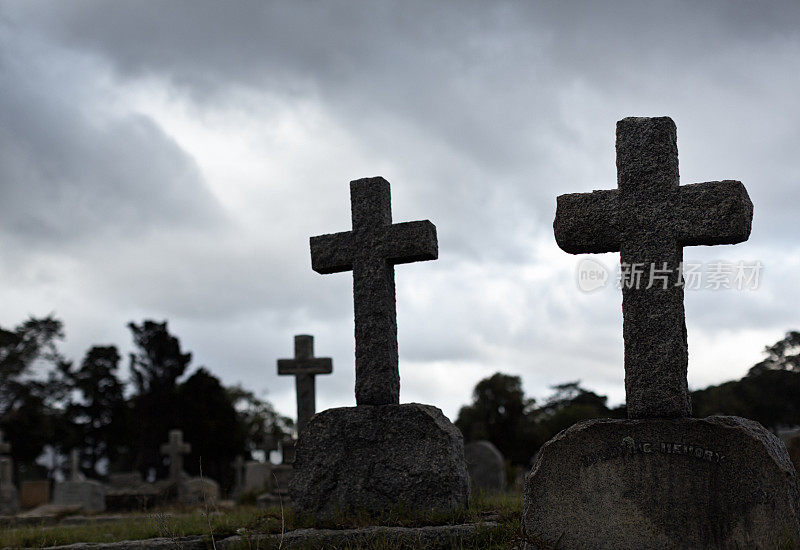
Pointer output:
x,y
251,522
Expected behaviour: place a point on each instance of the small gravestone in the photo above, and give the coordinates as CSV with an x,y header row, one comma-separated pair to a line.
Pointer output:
x,y
304,367
486,466
791,438
379,454
199,491
90,495
238,477
34,493
257,476
658,479
9,498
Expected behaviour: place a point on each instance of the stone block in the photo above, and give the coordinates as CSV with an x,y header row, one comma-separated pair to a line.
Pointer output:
x,y
718,482
199,492
375,457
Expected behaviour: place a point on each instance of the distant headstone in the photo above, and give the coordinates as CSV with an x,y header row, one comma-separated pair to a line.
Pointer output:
x,y
238,476
175,449
257,476
268,444
658,479
199,491
378,454
304,367
9,498
89,494
34,493
791,438
486,466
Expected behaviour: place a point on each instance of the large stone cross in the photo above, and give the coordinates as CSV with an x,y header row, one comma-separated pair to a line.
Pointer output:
x,y
649,219
5,447
304,367
175,449
75,466
371,250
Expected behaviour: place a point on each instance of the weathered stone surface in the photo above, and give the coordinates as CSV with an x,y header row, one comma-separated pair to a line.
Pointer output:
x,y
377,457
485,465
432,537
305,367
88,494
649,219
371,250
718,482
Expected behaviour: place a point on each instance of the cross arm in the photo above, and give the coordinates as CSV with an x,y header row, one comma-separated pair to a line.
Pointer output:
x,y
410,242
588,222
333,253
315,365
715,212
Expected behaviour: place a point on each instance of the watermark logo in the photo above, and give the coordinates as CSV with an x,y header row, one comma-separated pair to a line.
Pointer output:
x,y
591,275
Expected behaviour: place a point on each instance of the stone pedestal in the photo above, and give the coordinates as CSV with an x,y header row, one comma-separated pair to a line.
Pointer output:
x,y
718,482
257,476
486,466
89,495
375,457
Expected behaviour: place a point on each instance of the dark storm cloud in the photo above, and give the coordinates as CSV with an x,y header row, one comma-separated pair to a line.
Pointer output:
x,y
71,172
478,113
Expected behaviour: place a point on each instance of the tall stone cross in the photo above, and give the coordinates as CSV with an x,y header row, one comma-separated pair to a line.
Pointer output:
x,y
370,251
304,367
649,218
175,449
238,469
5,447
75,466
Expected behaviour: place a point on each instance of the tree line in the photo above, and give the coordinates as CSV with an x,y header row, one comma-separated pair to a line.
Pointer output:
x,y
518,426
50,405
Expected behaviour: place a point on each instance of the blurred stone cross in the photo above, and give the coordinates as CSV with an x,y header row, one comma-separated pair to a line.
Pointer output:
x,y
649,218
75,466
268,444
305,367
5,447
371,250
175,449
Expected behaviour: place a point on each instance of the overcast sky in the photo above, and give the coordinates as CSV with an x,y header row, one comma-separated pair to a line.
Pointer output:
x,y
170,160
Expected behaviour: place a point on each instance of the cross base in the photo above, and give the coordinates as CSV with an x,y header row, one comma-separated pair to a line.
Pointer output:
x,y
375,458
716,482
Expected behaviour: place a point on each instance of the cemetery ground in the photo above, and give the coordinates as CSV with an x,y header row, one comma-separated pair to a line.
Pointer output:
x,y
490,521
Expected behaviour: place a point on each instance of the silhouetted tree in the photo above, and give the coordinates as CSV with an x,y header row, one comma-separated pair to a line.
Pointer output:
x,y
155,368
782,355
211,424
258,418
569,403
33,386
99,410
499,413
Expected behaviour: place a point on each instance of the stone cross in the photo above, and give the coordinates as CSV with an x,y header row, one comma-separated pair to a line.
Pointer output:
x,y
175,449
649,219
75,466
304,367
371,250
238,467
5,447
287,450
268,444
